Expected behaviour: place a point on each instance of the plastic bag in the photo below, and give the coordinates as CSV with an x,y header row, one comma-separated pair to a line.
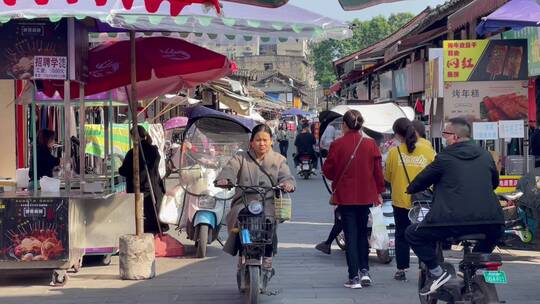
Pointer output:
x,y
48,184
379,235
172,205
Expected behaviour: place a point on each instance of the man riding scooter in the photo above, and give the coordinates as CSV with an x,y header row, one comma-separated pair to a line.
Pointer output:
x,y
305,142
464,176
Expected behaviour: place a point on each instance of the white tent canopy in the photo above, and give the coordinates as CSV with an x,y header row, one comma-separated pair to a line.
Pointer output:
x,y
378,117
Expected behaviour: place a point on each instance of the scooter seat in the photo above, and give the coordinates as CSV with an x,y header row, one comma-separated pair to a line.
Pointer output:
x,y
479,258
467,237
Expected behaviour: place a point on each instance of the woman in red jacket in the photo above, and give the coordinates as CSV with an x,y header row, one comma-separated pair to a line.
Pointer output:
x,y
357,185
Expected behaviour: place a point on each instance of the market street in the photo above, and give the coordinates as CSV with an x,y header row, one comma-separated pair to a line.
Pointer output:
x,y
304,275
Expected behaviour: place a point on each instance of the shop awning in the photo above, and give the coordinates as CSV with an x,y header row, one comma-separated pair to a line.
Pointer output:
x,y
515,14
239,22
351,5
263,3
471,12
335,87
238,103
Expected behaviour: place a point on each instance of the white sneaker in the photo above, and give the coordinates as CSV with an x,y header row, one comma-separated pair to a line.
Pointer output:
x,y
365,278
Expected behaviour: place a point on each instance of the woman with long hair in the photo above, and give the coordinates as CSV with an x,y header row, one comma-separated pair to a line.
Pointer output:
x,y
403,164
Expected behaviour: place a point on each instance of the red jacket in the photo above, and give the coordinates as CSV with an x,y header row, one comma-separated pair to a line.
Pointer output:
x,y
363,181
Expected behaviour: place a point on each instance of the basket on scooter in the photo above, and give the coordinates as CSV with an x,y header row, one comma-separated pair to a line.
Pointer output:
x,y
255,230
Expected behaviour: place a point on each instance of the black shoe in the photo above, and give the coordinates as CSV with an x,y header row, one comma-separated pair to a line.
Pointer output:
x,y
353,283
365,278
433,283
400,275
323,247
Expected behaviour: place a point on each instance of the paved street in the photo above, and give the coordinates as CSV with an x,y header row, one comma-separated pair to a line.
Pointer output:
x,y
303,274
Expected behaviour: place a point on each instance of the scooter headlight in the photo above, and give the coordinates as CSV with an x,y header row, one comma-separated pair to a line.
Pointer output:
x,y
206,202
255,207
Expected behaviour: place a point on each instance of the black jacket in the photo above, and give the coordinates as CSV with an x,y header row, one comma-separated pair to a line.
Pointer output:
x,y
464,176
45,163
304,143
152,157
535,142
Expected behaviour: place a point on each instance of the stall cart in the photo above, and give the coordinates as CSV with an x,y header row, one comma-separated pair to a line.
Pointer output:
x,y
41,230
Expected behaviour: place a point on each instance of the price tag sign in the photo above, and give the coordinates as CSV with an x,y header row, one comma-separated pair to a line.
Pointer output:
x,y
485,130
511,129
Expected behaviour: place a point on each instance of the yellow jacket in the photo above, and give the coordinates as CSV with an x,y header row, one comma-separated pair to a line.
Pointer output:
x,y
422,140
394,173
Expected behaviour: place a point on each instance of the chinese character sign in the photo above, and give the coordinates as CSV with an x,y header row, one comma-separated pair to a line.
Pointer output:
x,y
485,130
50,67
485,60
486,100
512,128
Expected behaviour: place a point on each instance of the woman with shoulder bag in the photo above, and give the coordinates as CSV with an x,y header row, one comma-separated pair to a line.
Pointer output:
x,y
354,167
403,164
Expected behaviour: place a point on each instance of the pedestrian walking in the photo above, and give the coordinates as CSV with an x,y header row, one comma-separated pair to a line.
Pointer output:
x,y
403,164
354,167
283,139
325,246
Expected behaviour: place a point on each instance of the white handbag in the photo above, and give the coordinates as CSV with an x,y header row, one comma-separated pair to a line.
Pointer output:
x,y
172,206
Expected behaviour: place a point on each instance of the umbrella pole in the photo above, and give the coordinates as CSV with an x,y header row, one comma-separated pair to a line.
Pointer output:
x,y
139,227
137,254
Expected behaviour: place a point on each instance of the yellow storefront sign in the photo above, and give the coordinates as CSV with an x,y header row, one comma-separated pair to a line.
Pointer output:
x,y
507,183
461,57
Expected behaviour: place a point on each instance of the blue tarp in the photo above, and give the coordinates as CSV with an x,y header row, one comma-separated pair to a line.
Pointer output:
x,y
295,112
198,112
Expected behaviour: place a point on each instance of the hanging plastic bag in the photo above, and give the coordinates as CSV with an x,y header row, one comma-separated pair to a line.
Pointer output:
x,y
379,235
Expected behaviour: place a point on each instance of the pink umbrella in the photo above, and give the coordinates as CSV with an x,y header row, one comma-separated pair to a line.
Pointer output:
x,y
175,122
163,65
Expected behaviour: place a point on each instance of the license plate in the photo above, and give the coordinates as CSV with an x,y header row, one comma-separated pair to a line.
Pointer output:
x,y
495,277
305,167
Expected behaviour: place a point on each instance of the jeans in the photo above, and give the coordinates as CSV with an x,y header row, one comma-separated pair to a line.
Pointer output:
x,y
423,239
354,219
403,256
283,147
336,229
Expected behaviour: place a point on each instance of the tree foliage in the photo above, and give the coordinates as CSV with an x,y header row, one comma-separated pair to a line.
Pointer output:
x,y
365,33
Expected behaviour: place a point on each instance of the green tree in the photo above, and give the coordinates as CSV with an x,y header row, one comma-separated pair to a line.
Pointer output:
x,y
365,33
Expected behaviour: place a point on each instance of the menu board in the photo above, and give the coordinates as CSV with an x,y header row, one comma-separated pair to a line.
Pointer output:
x,y
33,229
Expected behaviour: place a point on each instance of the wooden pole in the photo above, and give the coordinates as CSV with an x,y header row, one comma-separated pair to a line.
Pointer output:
x,y
139,211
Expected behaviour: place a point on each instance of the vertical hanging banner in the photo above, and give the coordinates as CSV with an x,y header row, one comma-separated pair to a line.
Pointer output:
x,y
485,60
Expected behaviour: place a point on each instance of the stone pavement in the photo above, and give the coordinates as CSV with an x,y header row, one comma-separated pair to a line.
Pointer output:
x,y
303,274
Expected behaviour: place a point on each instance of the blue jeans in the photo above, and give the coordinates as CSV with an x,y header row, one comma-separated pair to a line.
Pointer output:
x,y
354,219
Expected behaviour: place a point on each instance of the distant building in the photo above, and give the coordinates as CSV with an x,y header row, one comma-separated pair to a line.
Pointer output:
x,y
268,67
